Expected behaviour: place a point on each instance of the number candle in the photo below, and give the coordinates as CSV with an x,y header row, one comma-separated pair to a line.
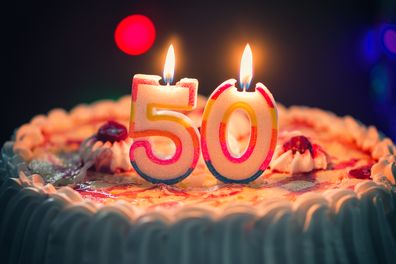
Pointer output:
x,y
151,116
260,107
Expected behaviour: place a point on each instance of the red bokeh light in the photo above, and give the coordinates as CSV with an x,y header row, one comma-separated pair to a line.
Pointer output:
x,y
135,34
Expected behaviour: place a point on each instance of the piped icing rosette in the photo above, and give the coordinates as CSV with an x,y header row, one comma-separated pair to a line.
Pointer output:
x,y
108,150
385,170
296,154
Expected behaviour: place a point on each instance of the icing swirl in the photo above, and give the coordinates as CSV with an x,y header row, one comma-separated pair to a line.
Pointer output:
x,y
106,156
385,169
306,159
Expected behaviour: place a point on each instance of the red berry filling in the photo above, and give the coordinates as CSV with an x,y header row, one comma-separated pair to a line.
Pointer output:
x,y
298,143
363,172
112,131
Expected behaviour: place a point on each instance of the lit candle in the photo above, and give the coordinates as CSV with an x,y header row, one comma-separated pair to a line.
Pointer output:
x,y
151,116
259,105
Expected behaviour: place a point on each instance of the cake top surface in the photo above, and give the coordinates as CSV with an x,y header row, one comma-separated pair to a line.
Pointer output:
x,y
84,155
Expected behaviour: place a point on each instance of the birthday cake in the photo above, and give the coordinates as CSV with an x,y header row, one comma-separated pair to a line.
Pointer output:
x,y
69,194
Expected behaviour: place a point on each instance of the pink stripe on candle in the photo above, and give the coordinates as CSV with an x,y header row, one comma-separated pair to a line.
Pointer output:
x,y
249,150
192,90
220,90
138,81
266,96
204,146
274,137
150,154
196,147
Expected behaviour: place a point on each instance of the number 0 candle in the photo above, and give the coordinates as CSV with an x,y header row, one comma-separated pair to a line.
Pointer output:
x,y
260,107
151,115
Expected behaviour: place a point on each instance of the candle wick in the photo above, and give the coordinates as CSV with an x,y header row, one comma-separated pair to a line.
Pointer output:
x,y
168,79
243,87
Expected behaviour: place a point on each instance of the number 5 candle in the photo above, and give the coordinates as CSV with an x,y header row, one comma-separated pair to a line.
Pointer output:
x,y
260,107
151,116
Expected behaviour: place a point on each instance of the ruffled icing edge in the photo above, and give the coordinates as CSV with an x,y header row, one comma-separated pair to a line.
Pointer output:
x,y
14,154
33,134
107,156
334,199
336,226
294,163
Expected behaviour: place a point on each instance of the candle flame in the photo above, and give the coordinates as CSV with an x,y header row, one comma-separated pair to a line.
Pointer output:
x,y
246,70
169,67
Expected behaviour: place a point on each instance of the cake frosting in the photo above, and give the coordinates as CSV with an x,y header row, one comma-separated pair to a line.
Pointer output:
x,y
327,196
337,226
107,156
287,159
385,170
312,155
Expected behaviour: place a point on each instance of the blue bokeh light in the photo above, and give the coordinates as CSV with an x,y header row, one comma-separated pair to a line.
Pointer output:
x,y
381,83
379,52
371,46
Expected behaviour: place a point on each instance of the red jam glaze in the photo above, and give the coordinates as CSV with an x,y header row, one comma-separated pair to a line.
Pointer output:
x,y
316,149
128,191
222,195
363,172
165,205
91,194
345,164
112,131
172,191
298,143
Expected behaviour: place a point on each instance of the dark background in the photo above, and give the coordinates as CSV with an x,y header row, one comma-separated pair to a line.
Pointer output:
x,y
325,54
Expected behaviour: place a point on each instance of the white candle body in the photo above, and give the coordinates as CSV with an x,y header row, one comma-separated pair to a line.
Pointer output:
x,y
151,116
260,106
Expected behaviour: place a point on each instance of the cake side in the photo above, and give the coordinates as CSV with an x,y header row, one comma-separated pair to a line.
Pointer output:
x,y
337,226
316,206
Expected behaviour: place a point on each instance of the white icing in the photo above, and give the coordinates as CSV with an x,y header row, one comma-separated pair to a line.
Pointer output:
x,y
120,207
304,208
385,168
81,114
385,147
30,135
71,194
348,129
27,137
298,162
103,109
371,139
107,156
57,120
37,182
345,225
